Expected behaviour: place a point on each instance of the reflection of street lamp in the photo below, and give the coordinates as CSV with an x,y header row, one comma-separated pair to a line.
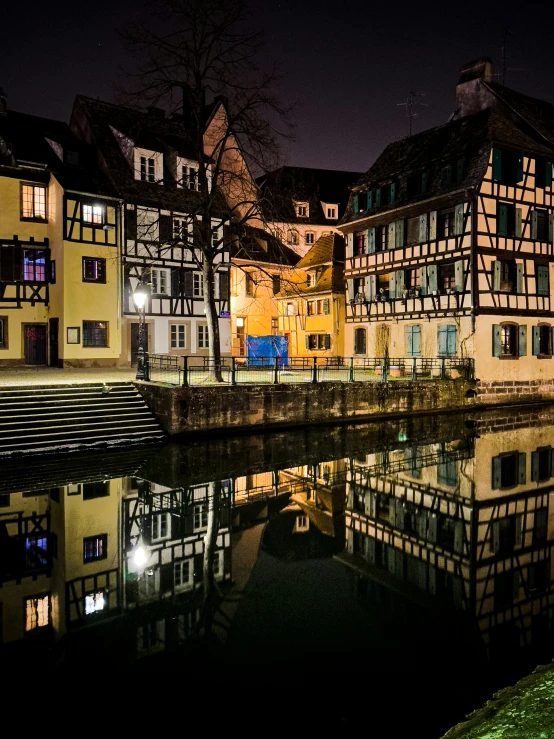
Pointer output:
x,y
139,296
140,558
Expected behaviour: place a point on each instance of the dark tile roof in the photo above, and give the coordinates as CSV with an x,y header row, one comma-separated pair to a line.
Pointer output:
x,y
98,122
327,255
538,114
41,142
256,245
279,190
326,250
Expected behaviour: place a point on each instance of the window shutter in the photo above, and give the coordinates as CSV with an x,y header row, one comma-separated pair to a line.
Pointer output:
x,y
519,278
534,466
175,282
496,275
350,242
459,275
166,228
550,229
392,235
458,536
307,338
392,286
392,192
408,340
399,515
432,225
131,225
548,174
442,340
421,522
521,472
416,339
448,173
400,281
459,219
536,340
224,285
369,199
423,227
188,284
350,289
522,342
519,167
399,234
496,472
424,182
432,277
372,286
518,229
502,225
326,306
432,528
356,204
496,164
327,341
534,225
371,241
451,341
460,168
496,345
101,270
423,280
378,197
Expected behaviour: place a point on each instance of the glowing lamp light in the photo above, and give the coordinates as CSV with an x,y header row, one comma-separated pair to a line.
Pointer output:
x,y
140,557
139,297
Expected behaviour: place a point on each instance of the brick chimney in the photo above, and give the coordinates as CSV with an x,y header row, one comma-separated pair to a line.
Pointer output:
x,y
471,94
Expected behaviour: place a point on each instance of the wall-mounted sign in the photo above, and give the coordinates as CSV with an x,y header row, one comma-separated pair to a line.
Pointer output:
x,y
73,335
225,314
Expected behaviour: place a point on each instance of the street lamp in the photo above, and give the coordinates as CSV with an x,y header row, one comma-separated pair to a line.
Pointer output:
x,y
139,296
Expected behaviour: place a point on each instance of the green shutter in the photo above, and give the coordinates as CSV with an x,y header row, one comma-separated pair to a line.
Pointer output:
x,y
496,275
496,473
408,340
459,219
371,241
432,278
534,225
550,229
424,182
496,164
327,341
460,168
521,472
548,174
451,341
442,341
372,286
519,167
392,192
518,230
522,341
326,306
459,275
399,234
432,225
416,340
458,536
378,197
423,280
502,219
423,227
392,286
369,199
350,289
519,278
448,173
392,235
496,343
400,282
356,204
536,341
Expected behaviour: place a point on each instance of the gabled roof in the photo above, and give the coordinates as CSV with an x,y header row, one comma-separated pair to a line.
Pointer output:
x,y
326,256
256,245
326,250
282,187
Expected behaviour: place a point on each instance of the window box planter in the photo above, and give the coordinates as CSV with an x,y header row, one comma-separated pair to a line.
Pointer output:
x,y
396,371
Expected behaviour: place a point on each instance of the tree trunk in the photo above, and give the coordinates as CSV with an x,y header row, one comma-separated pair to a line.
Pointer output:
x,y
213,320
210,540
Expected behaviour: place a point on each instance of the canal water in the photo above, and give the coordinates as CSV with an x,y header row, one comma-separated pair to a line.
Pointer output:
x,y
391,575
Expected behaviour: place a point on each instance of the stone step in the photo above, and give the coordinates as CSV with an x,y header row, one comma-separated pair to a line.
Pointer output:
x,y
29,426
83,442
76,432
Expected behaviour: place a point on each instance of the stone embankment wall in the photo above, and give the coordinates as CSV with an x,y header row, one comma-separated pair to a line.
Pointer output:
x,y
200,409
517,391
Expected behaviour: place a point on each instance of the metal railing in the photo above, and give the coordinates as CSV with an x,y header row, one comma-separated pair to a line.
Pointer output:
x,y
184,371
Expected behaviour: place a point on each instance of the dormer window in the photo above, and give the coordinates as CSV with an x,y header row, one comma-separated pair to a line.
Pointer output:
x,y
148,165
310,237
147,169
188,174
331,210
302,209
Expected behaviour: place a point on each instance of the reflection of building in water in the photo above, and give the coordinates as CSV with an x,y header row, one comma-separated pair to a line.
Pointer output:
x,y
470,522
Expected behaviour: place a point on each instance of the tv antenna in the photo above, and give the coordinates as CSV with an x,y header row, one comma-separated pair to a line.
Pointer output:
x,y
410,103
505,33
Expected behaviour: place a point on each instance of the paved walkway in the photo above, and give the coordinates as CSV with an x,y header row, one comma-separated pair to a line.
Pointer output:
x,y
54,376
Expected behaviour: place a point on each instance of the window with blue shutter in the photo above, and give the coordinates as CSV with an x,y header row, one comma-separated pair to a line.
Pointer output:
x,y
356,204
378,197
447,341
413,341
369,199
507,166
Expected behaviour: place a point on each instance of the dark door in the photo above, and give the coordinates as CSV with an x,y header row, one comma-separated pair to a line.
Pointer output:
x,y
53,337
135,341
35,343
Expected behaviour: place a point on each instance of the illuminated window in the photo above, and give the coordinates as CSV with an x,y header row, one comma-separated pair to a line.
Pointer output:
x,y
93,214
34,265
37,612
301,524
291,309
508,340
36,551
147,169
95,602
33,202
182,574
94,269
161,282
203,340
95,334
95,547
161,526
178,336
197,285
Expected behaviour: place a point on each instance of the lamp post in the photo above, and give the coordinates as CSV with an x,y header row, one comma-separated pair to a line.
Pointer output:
x,y
139,296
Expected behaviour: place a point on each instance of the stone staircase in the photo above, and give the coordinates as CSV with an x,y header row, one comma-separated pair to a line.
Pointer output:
x,y
39,419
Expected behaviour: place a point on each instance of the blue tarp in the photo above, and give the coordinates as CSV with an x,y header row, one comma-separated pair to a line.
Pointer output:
x,y
262,350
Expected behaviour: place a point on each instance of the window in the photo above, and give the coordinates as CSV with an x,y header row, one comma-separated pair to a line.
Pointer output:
x,y
249,285
94,269
161,526
3,333
445,226
310,237
359,289
197,285
542,340
291,309
94,214
95,548
95,602
292,238
412,278
203,337
182,229
541,464
447,341
302,210
504,590
540,226
543,286
182,574
447,277
147,169
318,342
508,470
507,166
382,238
359,243
147,224
310,308
447,471
506,219
540,526
189,177
506,533
274,326
34,265
360,341
508,340
507,276
37,612
417,183
161,281
383,282
36,551
200,516
413,341
178,336
99,489
95,333
33,202
331,212
454,170
276,284
543,173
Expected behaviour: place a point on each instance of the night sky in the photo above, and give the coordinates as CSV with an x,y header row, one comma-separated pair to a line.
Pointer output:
x,y
348,65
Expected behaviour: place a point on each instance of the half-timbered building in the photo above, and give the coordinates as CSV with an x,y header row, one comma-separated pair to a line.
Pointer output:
x,y
450,238
150,162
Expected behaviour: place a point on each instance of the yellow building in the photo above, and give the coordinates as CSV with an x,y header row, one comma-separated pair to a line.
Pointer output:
x,y
58,249
312,304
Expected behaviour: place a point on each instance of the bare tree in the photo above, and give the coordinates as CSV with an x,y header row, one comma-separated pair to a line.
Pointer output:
x,y
198,60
